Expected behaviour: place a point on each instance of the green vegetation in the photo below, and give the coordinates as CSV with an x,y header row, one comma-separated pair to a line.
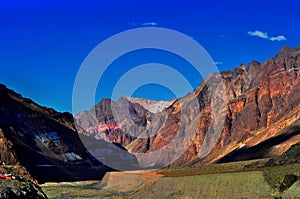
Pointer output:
x,y
82,189
226,185
231,167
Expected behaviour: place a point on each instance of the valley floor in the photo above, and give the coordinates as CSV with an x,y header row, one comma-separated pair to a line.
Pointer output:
x,y
230,180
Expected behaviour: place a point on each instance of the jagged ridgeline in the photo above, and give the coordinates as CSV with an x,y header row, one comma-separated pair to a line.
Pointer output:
x,y
261,120
261,115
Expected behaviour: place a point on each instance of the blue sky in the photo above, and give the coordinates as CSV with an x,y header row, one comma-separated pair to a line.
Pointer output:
x,y
43,43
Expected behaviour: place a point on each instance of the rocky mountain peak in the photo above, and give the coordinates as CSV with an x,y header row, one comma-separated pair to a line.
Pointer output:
x,y
151,105
262,102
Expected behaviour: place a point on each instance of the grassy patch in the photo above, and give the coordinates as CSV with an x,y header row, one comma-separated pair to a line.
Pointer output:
x,y
84,189
231,167
274,176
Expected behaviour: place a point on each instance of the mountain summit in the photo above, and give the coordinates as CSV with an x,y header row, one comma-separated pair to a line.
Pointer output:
x,y
260,115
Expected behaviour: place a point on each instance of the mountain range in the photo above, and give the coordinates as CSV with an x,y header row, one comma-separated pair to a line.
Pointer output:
x,y
248,112
257,104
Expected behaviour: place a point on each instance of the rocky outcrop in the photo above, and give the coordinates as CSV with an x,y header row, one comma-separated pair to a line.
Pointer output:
x,y
288,181
248,105
20,189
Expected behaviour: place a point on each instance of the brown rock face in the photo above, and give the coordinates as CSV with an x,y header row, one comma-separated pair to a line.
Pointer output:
x,y
245,113
41,143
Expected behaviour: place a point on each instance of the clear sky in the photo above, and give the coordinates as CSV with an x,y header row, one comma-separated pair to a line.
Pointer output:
x,y
43,43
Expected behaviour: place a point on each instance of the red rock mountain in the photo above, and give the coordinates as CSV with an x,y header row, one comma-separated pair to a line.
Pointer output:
x,y
245,113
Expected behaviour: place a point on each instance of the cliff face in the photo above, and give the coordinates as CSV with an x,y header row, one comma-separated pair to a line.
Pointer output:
x,y
42,143
257,104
